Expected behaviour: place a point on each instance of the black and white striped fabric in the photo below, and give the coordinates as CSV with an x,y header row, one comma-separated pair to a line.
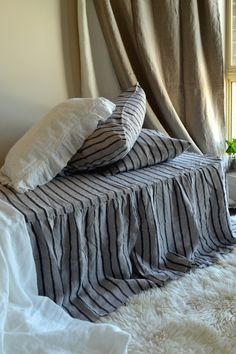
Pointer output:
x,y
113,139
151,147
99,240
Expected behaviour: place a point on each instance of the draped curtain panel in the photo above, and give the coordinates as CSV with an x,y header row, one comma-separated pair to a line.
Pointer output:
x,y
88,83
174,49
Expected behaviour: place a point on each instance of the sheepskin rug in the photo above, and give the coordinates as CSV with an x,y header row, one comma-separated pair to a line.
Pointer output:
x,y
194,314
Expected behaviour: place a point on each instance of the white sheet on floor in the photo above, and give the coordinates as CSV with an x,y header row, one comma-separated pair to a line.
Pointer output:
x,y
33,324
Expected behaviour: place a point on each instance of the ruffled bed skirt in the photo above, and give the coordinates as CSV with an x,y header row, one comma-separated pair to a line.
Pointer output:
x,y
99,240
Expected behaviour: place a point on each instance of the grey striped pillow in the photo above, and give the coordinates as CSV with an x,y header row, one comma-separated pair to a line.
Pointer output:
x,y
151,147
114,138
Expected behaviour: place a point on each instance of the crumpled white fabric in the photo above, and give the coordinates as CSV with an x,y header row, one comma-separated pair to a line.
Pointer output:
x,y
32,324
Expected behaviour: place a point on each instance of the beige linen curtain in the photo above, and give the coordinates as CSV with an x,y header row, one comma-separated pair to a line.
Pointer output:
x,y
174,49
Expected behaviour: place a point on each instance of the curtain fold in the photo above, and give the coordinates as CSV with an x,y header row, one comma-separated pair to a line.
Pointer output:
x,y
174,49
120,53
87,73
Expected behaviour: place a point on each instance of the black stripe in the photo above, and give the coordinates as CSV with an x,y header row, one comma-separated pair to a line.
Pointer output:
x,y
101,147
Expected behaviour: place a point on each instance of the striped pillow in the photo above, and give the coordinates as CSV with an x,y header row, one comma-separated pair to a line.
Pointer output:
x,y
113,139
151,147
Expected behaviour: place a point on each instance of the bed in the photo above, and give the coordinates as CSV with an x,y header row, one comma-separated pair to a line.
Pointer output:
x,y
98,239
111,208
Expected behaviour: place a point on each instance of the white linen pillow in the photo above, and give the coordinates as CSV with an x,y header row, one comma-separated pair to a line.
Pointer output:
x,y
46,148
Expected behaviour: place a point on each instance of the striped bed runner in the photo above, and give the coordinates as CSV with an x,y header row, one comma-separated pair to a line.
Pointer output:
x,y
99,240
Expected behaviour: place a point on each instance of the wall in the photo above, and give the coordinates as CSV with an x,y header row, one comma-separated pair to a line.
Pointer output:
x,y
32,77
39,63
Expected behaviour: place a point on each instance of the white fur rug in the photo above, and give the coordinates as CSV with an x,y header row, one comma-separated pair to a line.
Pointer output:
x,y
195,314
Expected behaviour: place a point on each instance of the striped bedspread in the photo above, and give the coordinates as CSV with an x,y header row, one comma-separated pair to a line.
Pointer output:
x,y
99,240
